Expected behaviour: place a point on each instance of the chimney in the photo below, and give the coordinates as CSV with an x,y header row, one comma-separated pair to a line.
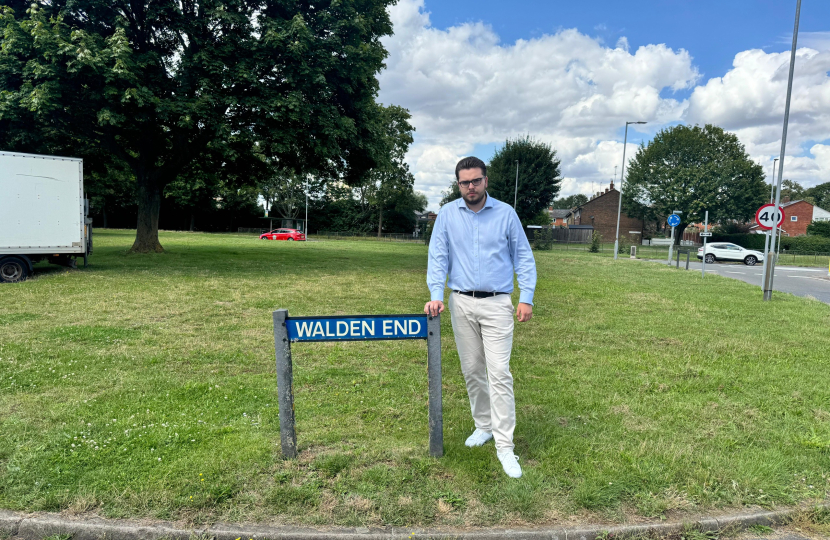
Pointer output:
x,y
606,190
612,184
599,193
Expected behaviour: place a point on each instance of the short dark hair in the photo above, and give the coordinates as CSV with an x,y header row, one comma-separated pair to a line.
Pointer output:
x,y
471,162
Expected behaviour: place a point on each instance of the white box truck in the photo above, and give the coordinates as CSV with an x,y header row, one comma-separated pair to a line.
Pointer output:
x,y
43,213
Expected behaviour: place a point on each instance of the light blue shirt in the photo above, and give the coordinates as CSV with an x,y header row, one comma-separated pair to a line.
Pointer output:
x,y
480,251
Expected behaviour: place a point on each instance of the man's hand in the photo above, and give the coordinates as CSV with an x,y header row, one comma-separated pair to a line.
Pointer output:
x,y
524,312
433,308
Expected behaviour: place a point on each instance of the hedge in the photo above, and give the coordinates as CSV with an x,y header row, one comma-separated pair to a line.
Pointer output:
x,y
756,241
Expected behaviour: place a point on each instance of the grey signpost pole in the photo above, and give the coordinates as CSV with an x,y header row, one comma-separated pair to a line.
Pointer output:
x,y
436,416
671,246
285,384
706,230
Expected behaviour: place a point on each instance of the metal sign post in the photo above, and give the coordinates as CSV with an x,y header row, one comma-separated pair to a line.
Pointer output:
x,y
767,218
705,235
355,328
674,221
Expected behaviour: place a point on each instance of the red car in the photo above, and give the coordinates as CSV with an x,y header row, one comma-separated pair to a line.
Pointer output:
x,y
283,234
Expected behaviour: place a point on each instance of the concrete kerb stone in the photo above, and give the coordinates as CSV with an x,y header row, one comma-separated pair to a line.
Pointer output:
x,y
40,526
9,522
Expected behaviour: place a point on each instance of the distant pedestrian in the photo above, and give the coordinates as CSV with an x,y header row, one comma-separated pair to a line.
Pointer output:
x,y
479,242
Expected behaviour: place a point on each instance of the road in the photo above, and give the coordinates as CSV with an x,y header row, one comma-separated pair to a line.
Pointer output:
x,y
797,280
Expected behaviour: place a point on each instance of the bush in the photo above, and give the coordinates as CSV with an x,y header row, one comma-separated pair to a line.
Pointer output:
x,y
596,239
819,228
542,239
805,243
625,246
748,241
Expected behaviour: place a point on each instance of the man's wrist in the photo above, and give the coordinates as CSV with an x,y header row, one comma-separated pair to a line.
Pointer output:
x,y
436,295
526,298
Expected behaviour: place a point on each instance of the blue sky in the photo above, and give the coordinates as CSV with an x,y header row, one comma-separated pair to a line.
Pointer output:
x,y
605,62
712,31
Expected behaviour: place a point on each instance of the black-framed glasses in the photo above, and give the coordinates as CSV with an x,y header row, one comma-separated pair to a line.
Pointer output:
x,y
466,183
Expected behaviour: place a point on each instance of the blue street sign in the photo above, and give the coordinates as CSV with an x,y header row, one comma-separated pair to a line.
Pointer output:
x,y
674,220
357,327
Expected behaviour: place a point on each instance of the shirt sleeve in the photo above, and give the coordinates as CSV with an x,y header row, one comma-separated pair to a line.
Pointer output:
x,y
523,262
437,264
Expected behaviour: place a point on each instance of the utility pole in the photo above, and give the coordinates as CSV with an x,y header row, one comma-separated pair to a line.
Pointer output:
x,y
516,191
619,206
769,274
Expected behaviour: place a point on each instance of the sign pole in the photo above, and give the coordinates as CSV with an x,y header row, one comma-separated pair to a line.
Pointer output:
x,y
436,416
285,385
706,230
671,246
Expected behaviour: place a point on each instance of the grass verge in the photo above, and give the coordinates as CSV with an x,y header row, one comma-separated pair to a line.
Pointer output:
x,y
144,386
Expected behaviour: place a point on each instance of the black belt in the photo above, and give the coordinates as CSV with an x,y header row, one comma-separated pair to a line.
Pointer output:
x,y
480,294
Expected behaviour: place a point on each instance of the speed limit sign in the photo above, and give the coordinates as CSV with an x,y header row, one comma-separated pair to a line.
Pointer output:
x,y
766,216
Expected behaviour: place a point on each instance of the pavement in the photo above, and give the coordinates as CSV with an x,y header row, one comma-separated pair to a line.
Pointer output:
x,y
798,280
775,525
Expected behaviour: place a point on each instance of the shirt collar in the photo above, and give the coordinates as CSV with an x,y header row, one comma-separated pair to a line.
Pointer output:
x,y
488,203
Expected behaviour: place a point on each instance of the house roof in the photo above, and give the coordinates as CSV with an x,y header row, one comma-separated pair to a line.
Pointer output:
x,y
560,213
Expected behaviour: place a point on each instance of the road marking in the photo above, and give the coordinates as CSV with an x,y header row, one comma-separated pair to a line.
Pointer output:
x,y
802,269
741,273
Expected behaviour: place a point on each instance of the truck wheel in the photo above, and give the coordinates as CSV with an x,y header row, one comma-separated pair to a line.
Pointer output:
x,y
13,270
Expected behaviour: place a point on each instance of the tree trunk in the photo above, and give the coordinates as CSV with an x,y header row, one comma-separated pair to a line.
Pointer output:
x,y
192,221
380,221
104,209
678,233
149,206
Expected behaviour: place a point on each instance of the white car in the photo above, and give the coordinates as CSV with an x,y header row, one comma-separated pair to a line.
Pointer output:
x,y
721,251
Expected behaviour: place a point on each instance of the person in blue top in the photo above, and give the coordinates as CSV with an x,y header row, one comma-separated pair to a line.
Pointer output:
x,y
479,243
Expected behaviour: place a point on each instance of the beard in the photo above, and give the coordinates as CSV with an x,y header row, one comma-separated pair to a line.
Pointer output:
x,y
474,199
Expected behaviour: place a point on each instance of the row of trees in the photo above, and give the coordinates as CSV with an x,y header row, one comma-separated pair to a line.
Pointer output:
x,y
202,101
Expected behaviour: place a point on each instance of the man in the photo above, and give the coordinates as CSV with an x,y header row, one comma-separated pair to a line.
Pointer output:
x,y
479,242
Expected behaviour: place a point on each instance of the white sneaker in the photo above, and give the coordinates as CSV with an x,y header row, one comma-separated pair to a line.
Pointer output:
x,y
478,438
510,463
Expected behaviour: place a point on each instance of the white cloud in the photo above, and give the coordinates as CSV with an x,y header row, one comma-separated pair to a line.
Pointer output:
x,y
750,101
465,88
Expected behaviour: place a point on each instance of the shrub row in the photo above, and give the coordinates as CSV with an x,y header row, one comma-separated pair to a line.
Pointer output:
x,y
756,241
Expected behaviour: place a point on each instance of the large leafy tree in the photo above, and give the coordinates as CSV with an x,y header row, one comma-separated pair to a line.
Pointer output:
x,y
693,169
571,201
389,185
820,195
539,179
155,86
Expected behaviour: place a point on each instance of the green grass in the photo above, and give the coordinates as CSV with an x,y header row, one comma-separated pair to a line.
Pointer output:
x,y
144,386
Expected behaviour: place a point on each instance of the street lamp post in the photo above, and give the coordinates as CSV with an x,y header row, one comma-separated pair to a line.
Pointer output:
x,y
769,274
619,206
516,191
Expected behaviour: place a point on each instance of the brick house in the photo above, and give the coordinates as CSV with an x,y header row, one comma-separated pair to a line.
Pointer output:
x,y
797,215
601,213
558,217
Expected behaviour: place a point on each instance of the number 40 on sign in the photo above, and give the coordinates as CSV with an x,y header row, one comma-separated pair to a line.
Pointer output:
x,y
766,216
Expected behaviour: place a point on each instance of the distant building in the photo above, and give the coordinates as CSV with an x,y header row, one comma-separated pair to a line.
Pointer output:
x,y
559,217
601,213
797,215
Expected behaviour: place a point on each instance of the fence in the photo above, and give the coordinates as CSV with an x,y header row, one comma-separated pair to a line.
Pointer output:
x,y
386,237
560,235
804,258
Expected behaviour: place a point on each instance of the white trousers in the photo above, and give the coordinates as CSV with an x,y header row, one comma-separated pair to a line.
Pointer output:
x,y
483,329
